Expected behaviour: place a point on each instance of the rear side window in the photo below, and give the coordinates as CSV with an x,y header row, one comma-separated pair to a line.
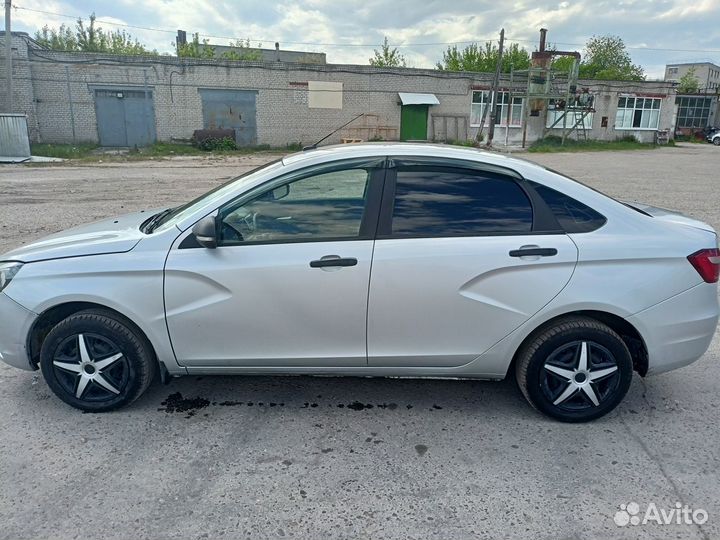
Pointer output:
x,y
436,202
572,215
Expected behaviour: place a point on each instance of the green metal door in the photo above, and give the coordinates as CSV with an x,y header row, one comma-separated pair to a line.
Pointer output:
x,y
413,122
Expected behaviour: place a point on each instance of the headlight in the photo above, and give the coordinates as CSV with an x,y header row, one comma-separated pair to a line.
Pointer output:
x,y
7,272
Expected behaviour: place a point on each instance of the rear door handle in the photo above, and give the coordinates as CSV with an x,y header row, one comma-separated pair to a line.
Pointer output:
x,y
533,252
333,260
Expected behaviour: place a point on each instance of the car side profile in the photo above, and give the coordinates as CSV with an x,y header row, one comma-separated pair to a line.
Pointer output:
x,y
378,259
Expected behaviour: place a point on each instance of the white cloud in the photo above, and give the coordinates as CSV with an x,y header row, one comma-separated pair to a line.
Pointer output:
x,y
681,24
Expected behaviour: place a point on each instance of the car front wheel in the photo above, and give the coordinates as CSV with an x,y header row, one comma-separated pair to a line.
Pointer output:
x,y
96,361
576,370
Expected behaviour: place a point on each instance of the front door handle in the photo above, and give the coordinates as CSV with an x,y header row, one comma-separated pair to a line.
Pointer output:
x,y
333,260
533,252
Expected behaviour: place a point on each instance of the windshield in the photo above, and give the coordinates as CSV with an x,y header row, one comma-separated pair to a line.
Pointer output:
x,y
181,212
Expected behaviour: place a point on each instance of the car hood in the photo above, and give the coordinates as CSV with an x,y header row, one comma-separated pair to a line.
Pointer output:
x,y
672,216
114,235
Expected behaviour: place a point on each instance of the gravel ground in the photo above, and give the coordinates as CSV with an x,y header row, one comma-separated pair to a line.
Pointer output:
x,y
211,457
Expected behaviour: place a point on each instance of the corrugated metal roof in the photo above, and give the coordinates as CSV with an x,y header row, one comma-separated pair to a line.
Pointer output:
x,y
14,142
418,99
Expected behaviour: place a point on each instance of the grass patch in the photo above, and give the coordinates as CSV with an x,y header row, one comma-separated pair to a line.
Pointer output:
x,y
553,143
159,150
462,142
690,139
65,151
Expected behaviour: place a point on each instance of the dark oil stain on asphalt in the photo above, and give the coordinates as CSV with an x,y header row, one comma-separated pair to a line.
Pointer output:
x,y
176,403
421,449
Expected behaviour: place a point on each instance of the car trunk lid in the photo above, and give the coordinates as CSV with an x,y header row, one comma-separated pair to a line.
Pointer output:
x,y
671,216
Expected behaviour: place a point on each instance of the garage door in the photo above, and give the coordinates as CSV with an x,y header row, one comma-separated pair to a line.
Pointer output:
x,y
125,117
231,109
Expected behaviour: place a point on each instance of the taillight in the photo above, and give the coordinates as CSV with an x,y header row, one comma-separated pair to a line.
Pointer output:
x,y
707,263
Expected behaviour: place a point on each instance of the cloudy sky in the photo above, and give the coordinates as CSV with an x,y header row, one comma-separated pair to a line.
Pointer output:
x,y
656,31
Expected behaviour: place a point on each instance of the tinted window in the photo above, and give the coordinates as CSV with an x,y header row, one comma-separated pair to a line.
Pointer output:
x,y
322,206
454,202
573,216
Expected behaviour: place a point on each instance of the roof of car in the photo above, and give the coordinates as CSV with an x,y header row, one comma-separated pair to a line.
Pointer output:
x,y
341,151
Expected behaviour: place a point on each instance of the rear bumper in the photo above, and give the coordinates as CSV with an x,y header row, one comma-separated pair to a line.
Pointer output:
x,y
679,330
15,323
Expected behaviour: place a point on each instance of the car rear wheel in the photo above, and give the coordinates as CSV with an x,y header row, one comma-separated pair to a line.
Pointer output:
x,y
95,361
575,371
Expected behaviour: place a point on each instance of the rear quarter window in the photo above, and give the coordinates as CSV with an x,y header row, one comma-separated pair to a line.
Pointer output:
x,y
572,215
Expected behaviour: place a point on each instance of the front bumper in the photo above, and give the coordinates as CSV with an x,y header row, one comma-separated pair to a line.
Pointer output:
x,y
679,330
15,323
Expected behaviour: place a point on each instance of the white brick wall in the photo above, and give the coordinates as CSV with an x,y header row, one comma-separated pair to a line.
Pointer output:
x,y
283,116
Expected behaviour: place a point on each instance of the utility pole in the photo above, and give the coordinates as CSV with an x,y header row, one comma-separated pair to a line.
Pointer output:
x,y
8,56
496,82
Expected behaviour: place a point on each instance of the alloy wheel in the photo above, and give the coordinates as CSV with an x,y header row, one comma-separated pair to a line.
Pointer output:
x,y
90,367
580,375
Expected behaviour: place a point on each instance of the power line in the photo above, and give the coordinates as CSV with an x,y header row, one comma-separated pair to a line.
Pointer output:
x,y
74,17
230,38
365,45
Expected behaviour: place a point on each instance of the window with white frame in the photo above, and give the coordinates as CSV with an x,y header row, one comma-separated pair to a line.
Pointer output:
x,y
481,98
555,117
637,113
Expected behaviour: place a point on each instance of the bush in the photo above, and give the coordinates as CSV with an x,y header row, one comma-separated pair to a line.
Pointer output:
x,y
212,144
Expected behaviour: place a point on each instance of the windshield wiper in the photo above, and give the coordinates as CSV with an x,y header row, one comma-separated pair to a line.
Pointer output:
x,y
154,221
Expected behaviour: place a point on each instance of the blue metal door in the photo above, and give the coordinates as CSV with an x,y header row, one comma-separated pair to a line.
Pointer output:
x,y
125,117
231,109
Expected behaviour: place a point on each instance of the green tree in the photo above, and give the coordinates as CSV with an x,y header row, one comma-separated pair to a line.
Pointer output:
x,y
607,58
196,49
90,38
483,59
689,83
387,57
241,50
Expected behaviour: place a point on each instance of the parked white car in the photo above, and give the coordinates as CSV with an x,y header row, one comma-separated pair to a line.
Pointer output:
x,y
714,137
370,260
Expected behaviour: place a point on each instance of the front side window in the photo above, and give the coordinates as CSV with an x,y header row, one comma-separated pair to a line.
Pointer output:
x,y
481,99
439,202
323,206
637,113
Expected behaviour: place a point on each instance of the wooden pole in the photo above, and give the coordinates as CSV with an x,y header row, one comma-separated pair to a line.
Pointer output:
x,y
496,82
8,56
511,97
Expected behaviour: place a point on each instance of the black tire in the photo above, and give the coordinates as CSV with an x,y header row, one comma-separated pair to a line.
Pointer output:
x,y
105,336
590,394
716,141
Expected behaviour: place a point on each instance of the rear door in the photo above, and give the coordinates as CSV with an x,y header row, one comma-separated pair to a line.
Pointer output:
x,y
462,258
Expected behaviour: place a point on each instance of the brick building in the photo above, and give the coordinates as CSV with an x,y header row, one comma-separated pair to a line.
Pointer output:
x,y
126,101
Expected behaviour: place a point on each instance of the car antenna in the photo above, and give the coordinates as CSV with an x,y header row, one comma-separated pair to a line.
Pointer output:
x,y
315,145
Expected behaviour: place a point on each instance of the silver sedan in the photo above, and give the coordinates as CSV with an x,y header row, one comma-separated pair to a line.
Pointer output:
x,y
370,260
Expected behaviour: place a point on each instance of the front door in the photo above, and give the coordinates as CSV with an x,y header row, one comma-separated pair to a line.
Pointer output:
x,y
449,278
288,284
413,122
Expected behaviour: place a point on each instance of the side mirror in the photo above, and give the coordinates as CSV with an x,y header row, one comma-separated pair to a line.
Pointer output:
x,y
280,192
205,232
